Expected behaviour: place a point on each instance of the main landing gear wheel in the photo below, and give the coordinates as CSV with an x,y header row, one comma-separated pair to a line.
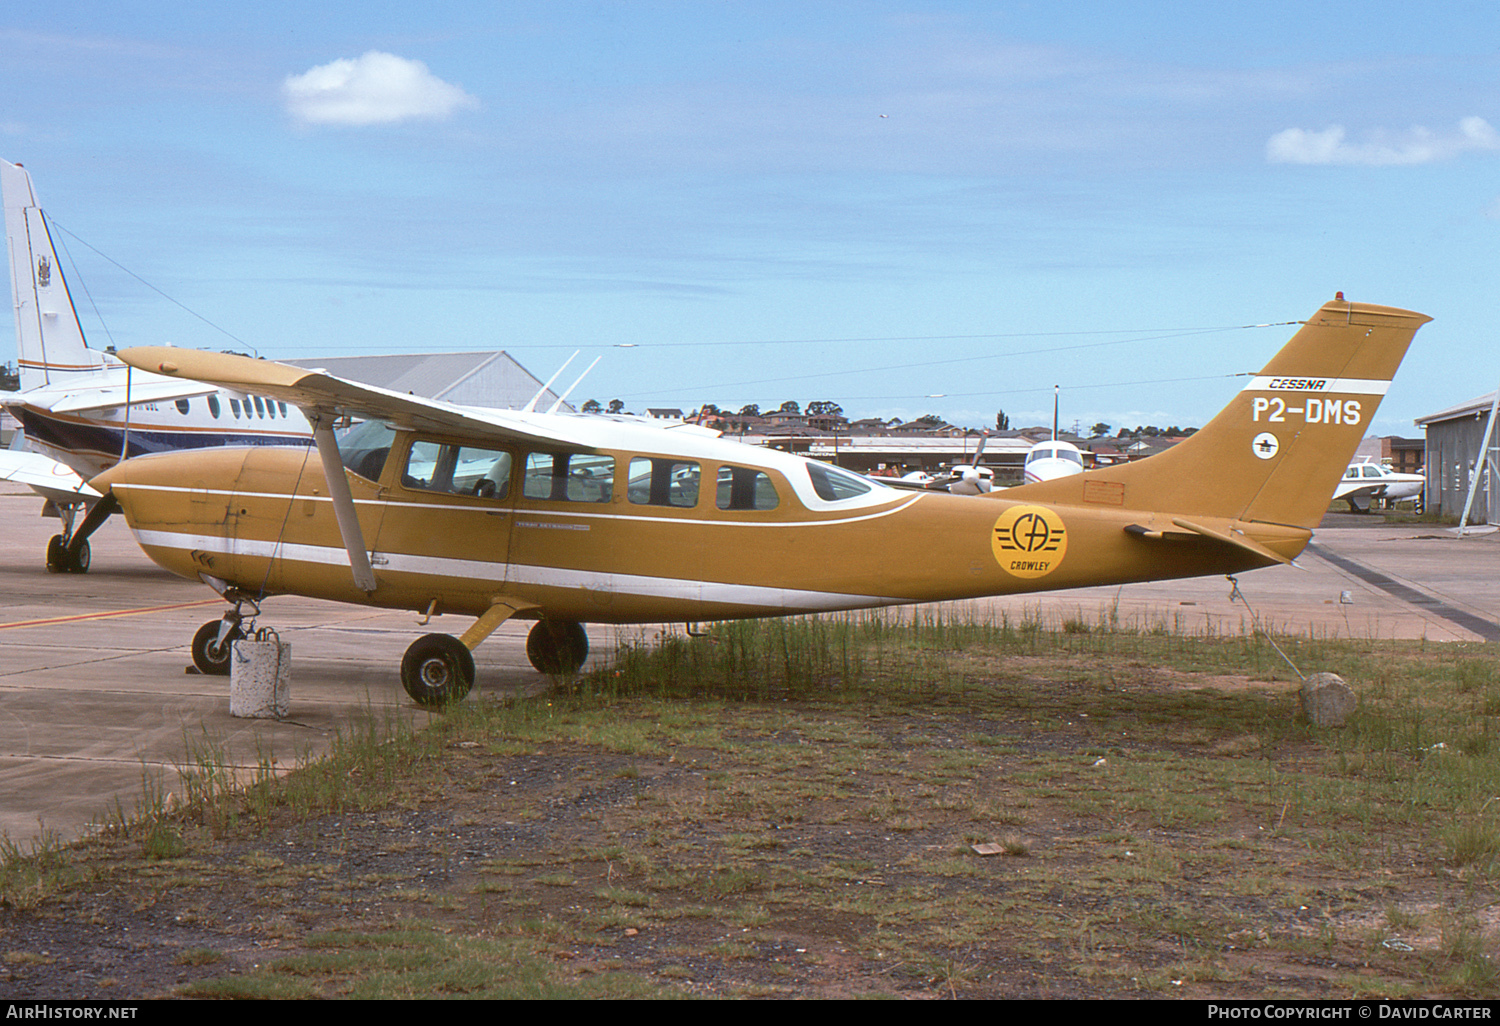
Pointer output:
x,y
57,555
437,669
557,647
60,561
209,656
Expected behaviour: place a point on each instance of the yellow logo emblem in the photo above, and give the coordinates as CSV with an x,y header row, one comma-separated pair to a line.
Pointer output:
x,y
1029,541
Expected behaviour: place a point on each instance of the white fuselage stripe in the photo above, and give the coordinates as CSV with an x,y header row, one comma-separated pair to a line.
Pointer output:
x,y
499,508
770,599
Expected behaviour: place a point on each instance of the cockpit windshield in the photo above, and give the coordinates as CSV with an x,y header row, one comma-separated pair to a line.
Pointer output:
x,y
364,447
1055,453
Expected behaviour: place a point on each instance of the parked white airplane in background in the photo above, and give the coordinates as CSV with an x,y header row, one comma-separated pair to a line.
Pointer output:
x,y
1045,461
87,410
1053,459
1365,483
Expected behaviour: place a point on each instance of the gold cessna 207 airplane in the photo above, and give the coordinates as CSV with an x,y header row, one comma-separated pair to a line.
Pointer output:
x,y
573,519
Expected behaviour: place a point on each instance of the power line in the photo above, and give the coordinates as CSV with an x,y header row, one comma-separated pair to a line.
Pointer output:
x,y
153,288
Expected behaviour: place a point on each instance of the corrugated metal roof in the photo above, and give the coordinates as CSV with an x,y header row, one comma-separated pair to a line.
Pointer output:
x,y
1468,409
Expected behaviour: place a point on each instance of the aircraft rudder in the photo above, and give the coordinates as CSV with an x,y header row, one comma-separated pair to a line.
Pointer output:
x,y
1311,405
49,339
1276,451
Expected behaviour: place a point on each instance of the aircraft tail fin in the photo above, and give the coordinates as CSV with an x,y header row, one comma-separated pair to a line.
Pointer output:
x,y
1277,451
49,340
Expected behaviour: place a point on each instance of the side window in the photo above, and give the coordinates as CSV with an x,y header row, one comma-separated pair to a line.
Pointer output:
x,y
234,404
260,408
569,477
833,484
183,406
213,406
482,472
746,488
663,482
457,469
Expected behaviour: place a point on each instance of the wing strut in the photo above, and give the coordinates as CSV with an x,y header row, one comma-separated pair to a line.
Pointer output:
x,y
343,500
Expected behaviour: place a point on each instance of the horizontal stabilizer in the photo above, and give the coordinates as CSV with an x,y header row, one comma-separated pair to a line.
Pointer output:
x,y
1196,532
80,396
47,477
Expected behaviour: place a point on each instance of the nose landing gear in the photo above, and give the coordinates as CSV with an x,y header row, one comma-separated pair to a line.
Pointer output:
x,y
212,644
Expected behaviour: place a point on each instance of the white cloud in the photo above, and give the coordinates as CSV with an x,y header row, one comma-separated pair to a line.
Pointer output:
x,y
377,88
1416,146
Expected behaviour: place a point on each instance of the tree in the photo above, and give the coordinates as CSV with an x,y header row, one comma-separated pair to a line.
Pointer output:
x,y
790,406
1099,430
616,406
750,410
1002,422
824,408
592,406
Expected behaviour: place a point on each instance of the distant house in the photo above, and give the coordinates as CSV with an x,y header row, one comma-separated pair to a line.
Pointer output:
x,y
663,413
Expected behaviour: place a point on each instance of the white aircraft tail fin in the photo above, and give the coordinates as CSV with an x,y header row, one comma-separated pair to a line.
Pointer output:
x,y
49,340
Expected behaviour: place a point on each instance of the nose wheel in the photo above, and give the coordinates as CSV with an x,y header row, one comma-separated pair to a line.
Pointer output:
x,y
211,651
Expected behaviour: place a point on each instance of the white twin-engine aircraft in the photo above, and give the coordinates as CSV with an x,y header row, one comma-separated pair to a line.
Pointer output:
x,y
83,410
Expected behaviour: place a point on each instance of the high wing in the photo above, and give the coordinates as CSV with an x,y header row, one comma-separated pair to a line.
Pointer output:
x,y
324,396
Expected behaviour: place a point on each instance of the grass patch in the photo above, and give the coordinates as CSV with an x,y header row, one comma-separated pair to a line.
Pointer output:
x,y
922,802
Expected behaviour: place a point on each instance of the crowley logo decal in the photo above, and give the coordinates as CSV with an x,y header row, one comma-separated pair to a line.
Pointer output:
x,y
1029,541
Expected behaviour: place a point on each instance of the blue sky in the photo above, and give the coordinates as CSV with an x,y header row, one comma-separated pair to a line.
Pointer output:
x,y
904,207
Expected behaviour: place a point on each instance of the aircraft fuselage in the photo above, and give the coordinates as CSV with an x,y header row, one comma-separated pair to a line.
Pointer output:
x,y
724,530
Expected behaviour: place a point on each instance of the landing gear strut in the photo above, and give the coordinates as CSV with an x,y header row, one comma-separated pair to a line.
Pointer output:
x,y
68,553
214,641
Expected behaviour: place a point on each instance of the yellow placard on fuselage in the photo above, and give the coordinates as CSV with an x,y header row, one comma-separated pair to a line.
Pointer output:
x,y
1029,541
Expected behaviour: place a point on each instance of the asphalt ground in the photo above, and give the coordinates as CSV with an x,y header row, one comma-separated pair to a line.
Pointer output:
x,y
96,697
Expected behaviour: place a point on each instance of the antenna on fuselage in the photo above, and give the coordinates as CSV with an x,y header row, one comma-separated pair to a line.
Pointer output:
x,y
575,384
531,406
